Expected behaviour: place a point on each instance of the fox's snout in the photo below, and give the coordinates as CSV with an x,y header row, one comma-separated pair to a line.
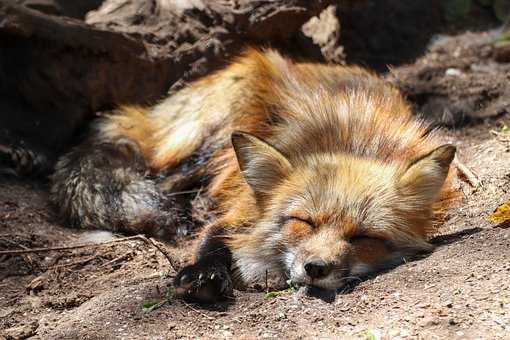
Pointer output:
x,y
316,268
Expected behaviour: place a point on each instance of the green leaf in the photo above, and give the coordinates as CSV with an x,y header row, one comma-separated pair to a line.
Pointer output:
x,y
370,334
275,294
149,306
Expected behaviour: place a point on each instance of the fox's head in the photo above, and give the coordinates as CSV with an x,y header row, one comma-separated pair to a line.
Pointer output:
x,y
331,217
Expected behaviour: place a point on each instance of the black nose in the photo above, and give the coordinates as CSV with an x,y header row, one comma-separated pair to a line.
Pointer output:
x,y
316,268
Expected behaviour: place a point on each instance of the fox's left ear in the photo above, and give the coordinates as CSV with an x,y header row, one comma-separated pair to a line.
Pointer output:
x,y
261,164
426,175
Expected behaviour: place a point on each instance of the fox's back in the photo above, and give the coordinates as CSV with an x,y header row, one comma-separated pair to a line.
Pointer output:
x,y
337,109
300,108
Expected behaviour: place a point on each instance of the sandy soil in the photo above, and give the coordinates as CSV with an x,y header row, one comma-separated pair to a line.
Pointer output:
x,y
461,290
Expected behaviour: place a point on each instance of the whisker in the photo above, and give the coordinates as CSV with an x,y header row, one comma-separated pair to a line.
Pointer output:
x,y
357,278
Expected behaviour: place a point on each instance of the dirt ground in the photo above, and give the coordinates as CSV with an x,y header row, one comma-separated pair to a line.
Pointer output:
x,y
461,290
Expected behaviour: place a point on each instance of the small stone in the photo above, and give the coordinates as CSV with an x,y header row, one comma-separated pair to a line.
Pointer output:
x,y
442,312
428,322
404,333
394,333
453,72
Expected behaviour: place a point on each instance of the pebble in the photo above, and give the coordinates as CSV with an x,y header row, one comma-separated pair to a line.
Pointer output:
x,y
442,312
453,72
394,333
428,322
404,333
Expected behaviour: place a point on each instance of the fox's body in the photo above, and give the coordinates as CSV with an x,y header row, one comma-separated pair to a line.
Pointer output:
x,y
330,178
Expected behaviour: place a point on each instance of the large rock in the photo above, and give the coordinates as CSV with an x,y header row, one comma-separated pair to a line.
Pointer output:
x,y
57,72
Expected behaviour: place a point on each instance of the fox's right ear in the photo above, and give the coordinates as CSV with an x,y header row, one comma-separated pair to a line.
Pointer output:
x,y
261,164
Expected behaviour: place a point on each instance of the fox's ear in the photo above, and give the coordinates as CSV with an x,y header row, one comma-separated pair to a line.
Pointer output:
x,y
261,164
426,175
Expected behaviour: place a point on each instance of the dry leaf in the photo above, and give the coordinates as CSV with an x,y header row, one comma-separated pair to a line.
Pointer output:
x,y
501,215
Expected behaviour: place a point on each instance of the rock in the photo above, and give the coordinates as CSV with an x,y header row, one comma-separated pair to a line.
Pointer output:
x,y
74,9
395,32
325,32
448,90
57,72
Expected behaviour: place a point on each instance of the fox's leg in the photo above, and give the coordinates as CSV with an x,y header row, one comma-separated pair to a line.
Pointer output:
x,y
23,161
208,279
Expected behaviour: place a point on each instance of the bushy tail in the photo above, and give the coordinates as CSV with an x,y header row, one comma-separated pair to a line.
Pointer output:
x,y
104,185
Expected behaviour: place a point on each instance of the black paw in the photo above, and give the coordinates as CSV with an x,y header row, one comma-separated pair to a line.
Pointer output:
x,y
20,161
204,282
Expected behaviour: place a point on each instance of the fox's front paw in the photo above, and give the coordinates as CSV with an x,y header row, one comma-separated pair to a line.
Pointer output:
x,y
204,282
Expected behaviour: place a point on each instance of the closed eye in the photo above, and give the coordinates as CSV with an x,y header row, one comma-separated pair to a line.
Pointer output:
x,y
362,237
359,238
286,219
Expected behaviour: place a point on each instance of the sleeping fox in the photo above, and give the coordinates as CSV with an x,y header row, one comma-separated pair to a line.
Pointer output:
x,y
318,174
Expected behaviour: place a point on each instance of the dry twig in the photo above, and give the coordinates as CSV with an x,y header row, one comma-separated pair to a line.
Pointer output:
x,y
117,259
466,173
82,262
197,311
77,246
168,258
92,245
